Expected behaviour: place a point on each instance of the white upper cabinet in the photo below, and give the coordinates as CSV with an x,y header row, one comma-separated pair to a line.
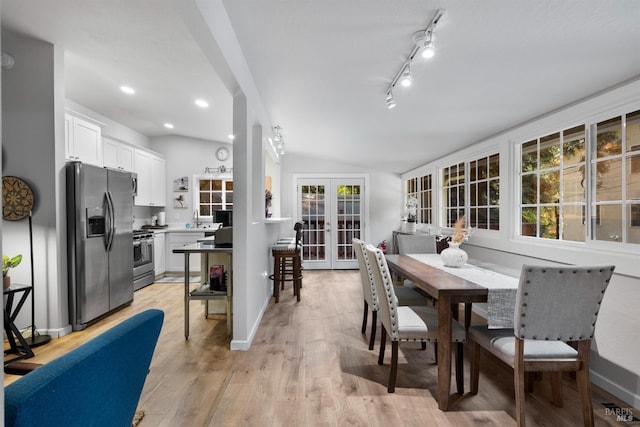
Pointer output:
x,y
151,179
117,155
83,140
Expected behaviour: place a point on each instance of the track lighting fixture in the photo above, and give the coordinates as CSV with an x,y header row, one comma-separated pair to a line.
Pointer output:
x,y
277,138
423,41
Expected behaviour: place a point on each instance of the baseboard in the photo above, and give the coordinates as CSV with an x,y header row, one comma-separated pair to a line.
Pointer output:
x,y
244,345
615,389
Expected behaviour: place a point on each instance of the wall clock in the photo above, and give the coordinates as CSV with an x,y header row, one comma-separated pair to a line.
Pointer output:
x,y
17,198
222,154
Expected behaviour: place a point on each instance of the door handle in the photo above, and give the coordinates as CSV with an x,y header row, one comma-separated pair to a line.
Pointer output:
x,y
111,226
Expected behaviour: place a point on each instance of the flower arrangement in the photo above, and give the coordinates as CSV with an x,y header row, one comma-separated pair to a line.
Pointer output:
x,y
8,263
412,208
460,233
267,198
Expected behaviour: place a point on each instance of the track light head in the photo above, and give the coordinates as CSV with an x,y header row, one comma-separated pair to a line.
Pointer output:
x,y
390,101
405,78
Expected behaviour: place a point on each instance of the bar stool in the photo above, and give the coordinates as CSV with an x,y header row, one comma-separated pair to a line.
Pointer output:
x,y
287,263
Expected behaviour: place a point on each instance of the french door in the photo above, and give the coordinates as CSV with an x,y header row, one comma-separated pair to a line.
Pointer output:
x,y
333,211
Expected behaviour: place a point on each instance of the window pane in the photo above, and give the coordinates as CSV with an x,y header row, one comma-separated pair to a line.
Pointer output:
x,y
550,151
608,136
228,185
473,170
482,168
573,184
549,216
529,220
494,192
633,131
482,218
573,146
609,177
608,224
473,201
529,189
205,198
633,229
482,193
494,166
573,223
529,156
494,219
216,185
633,177
550,187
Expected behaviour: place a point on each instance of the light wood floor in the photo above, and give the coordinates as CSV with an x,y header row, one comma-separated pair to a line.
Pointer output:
x,y
309,365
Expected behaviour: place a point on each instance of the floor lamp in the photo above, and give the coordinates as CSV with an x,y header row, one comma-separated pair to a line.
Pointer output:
x,y
33,340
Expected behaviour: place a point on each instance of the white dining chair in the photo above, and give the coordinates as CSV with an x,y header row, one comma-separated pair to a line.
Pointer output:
x,y
554,306
405,323
405,296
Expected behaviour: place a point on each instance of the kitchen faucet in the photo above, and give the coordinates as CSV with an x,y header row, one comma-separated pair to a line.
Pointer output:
x,y
198,222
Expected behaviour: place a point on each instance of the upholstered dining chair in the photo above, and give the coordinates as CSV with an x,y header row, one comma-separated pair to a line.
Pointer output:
x,y
405,323
554,306
405,296
416,244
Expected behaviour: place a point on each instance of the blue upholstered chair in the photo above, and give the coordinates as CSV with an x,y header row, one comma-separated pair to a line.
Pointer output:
x,y
404,295
554,305
405,323
97,384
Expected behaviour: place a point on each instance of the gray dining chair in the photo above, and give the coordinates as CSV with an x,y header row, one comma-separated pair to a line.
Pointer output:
x,y
554,306
405,323
405,296
416,244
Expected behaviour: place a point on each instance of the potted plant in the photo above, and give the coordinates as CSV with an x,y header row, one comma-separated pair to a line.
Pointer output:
x,y
8,263
412,213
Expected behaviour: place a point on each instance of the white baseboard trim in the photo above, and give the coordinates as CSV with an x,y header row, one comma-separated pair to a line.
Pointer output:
x,y
621,393
244,345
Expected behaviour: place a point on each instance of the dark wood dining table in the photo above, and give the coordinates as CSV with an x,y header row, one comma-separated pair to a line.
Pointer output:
x,y
449,291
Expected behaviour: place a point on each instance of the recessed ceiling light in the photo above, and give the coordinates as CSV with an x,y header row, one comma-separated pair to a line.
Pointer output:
x,y
202,103
128,90
231,136
168,126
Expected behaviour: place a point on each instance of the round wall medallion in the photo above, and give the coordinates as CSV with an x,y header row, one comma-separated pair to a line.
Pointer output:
x,y
17,198
222,154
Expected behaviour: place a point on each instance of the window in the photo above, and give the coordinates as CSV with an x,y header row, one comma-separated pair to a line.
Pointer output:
x,y
214,194
562,194
614,168
453,193
484,193
421,189
480,179
552,178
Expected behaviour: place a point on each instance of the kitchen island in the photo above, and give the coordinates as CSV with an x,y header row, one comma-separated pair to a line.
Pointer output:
x,y
222,256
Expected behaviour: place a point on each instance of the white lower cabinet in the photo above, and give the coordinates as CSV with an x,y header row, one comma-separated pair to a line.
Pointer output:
x,y
159,248
176,261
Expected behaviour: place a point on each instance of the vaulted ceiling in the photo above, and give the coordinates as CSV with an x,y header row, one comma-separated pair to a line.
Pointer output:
x,y
322,67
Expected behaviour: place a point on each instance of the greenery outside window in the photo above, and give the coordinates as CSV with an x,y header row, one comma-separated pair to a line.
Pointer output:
x,y
552,182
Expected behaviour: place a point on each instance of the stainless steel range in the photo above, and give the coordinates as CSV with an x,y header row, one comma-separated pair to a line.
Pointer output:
x,y
143,272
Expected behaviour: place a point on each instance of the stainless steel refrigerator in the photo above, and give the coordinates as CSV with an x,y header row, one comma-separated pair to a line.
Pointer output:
x,y
99,241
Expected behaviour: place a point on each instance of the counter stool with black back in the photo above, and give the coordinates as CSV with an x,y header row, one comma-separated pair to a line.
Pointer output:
x,y
287,263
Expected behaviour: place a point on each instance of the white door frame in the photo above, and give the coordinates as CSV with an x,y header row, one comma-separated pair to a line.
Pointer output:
x,y
364,229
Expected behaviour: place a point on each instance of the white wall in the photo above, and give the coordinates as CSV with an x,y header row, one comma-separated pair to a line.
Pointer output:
x,y
384,198
33,135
